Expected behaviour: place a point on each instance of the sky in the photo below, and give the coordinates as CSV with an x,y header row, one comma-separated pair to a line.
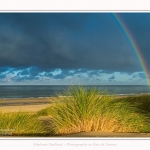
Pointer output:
x,y
73,48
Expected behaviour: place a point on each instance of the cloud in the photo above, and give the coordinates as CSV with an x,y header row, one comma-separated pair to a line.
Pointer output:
x,y
142,75
35,75
66,41
2,75
112,78
92,73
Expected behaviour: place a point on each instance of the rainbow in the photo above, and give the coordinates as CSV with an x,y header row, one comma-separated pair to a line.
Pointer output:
x,y
133,44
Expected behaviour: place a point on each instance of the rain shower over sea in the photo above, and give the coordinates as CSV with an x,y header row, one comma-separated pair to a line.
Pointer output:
x,y
41,91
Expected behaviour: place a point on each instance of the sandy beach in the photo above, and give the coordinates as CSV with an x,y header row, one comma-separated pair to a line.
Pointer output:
x,y
23,104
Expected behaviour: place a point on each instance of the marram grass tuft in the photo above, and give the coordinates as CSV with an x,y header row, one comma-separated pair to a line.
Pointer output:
x,y
93,110
20,123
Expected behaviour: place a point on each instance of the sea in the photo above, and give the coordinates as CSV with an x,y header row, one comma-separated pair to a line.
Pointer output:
x,y
41,91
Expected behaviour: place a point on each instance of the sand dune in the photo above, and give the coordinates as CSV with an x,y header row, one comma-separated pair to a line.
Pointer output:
x,y
36,104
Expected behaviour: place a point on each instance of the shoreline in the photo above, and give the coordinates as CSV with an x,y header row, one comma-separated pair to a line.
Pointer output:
x,y
52,96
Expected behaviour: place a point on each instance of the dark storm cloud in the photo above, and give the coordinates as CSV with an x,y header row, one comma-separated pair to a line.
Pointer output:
x,y
138,25
38,40
67,41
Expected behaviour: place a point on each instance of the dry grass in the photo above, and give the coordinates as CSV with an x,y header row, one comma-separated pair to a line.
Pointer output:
x,y
20,123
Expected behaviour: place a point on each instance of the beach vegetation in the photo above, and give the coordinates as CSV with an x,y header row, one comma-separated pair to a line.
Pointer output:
x,y
82,110
20,123
141,102
78,109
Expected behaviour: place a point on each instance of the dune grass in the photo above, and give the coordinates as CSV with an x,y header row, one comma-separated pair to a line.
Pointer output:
x,y
141,102
20,123
81,110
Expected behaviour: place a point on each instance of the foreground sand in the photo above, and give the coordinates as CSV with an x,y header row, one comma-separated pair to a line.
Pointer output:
x,y
108,134
36,104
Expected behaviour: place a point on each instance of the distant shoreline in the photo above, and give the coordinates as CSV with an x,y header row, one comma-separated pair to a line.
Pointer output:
x,y
44,91
49,97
